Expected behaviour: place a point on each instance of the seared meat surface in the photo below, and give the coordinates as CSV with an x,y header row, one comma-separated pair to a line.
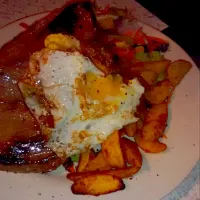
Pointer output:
x,y
22,145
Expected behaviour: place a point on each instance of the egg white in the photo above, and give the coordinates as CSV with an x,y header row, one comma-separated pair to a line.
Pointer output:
x,y
57,78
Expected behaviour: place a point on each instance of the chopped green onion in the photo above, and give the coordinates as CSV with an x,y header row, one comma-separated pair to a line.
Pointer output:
x,y
155,56
151,56
75,158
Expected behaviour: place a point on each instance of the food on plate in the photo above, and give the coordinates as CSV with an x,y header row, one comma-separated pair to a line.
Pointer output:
x,y
85,88
149,146
113,155
131,152
177,70
159,92
98,163
125,172
86,106
155,122
131,129
149,76
97,185
83,161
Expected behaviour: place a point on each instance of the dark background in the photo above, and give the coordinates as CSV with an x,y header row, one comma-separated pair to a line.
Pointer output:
x,y
183,19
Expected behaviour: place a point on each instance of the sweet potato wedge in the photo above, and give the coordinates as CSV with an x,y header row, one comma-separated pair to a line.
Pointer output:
x,y
149,76
112,151
98,163
125,172
130,129
150,146
131,152
177,70
159,93
97,185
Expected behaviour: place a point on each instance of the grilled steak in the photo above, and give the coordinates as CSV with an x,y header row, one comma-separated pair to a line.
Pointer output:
x,y
22,146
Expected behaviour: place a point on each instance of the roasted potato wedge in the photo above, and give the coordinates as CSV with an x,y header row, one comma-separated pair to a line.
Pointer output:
x,y
98,163
159,93
139,125
177,70
157,66
157,112
155,122
130,129
83,161
149,146
131,152
125,172
97,185
152,131
149,76
112,151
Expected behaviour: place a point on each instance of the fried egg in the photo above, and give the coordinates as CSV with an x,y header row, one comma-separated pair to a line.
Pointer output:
x,y
86,106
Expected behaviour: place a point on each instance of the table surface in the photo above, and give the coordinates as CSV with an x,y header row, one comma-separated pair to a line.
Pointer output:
x,y
11,10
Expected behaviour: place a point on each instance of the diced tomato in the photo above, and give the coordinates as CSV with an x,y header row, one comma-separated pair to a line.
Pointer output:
x,y
71,168
124,53
140,37
155,43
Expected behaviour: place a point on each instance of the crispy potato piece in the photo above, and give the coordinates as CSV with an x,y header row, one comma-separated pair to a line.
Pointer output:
x,y
130,129
152,131
177,70
149,76
97,185
139,125
98,163
157,112
157,66
125,172
142,108
155,122
154,66
149,146
159,93
83,161
112,151
131,152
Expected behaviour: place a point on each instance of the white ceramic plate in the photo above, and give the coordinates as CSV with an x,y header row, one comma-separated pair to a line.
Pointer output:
x,y
160,174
